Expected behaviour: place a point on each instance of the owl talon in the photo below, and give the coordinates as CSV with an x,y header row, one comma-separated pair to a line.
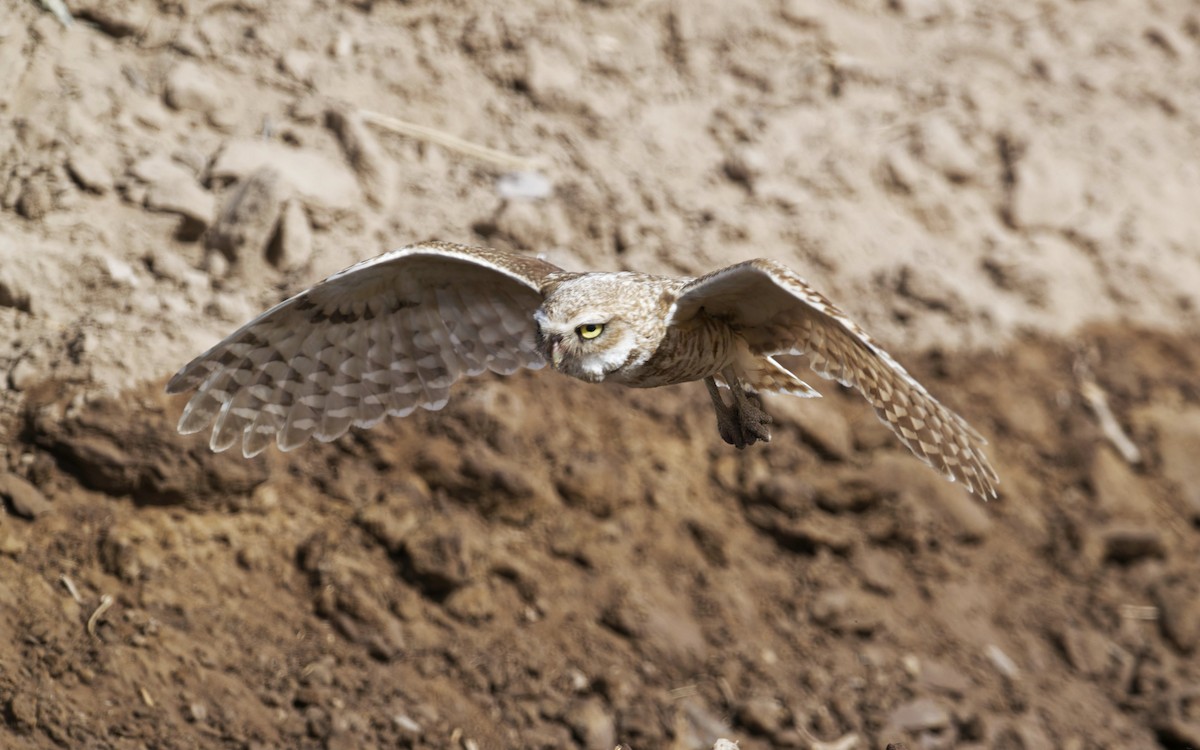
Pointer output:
x,y
744,422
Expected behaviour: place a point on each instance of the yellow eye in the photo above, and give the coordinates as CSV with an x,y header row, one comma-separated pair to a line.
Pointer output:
x,y
590,330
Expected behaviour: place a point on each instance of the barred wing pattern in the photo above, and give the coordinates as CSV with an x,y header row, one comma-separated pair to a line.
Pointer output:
x,y
777,312
382,337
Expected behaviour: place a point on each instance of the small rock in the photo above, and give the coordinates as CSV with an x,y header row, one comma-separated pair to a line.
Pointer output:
x,y
803,535
22,709
528,186
1128,544
25,500
196,712
190,88
89,172
942,147
526,224
762,716
1179,607
298,64
551,78
473,604
14,292
1088,652
592,724
24,374
294,240
439,559
376,171
117,18
249,219
920,715
35,200
1048,190
944,679
745,166
1118,490
1178,446
323,184
184,197
844,611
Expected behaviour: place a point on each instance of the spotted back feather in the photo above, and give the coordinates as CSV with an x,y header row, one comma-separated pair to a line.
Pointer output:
x,y
383,337
777,312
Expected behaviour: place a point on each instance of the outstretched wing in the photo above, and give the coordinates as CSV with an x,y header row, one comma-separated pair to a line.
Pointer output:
x,y
385,336
777,312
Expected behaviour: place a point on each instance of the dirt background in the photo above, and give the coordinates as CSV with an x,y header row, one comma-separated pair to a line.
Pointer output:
x,y
1004,193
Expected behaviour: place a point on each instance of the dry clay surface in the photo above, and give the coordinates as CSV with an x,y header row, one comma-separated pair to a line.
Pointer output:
x,y
1003,193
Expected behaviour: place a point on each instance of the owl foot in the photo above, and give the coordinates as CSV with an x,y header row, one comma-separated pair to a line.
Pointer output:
x,y
742,423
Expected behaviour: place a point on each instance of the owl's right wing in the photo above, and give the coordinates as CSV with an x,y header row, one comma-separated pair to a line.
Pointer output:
x,y
777,312
385,336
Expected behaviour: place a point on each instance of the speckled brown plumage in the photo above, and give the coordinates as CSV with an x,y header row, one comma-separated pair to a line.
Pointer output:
x,y
393,333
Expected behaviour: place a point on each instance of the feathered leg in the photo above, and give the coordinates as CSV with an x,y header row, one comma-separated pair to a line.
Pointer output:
x,y
744,422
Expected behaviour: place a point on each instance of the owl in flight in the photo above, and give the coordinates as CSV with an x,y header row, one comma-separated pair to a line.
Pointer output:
x,y
393,333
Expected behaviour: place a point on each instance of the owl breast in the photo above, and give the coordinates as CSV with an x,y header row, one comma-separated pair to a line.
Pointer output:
x,y
694,351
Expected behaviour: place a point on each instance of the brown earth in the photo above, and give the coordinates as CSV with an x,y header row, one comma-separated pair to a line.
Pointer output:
x,y
1003,193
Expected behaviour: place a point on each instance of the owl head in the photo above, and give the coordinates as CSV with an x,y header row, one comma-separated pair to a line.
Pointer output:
x,y
584,330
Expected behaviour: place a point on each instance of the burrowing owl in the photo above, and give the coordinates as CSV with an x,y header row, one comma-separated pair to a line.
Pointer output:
x,y
393,333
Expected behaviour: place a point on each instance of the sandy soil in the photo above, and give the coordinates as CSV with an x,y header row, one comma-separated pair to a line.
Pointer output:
x,y
1003,193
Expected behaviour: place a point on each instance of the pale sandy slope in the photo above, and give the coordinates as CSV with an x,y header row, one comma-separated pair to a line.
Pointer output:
x,y
951,172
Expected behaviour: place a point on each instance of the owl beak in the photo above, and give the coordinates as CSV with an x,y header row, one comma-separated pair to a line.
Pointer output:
x,y
556,354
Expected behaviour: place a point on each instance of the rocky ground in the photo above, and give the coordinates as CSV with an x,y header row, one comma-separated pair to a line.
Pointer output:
x,y
1003,193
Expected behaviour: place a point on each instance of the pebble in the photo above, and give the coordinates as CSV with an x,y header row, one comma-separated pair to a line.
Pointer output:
x,y
1178,446
439,559
295,244
35,200
26,500
1179,614
190,88
14,291
845,611
528,186
298,64
745,165
1118,490
592,724
920,715
322,183
376,171
89,172
173,189
184,197
942,147
1048,191
22,711
763,716
116,18
249,219
24,374
1088,652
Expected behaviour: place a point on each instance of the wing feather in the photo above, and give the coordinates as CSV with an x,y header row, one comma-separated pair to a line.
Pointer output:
x,y
385,336
777,312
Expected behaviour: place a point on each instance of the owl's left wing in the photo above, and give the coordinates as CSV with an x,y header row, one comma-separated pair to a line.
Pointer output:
x,y
385,336
777,312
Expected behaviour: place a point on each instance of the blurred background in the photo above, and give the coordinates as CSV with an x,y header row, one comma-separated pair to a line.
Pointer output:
x,y
1004,194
